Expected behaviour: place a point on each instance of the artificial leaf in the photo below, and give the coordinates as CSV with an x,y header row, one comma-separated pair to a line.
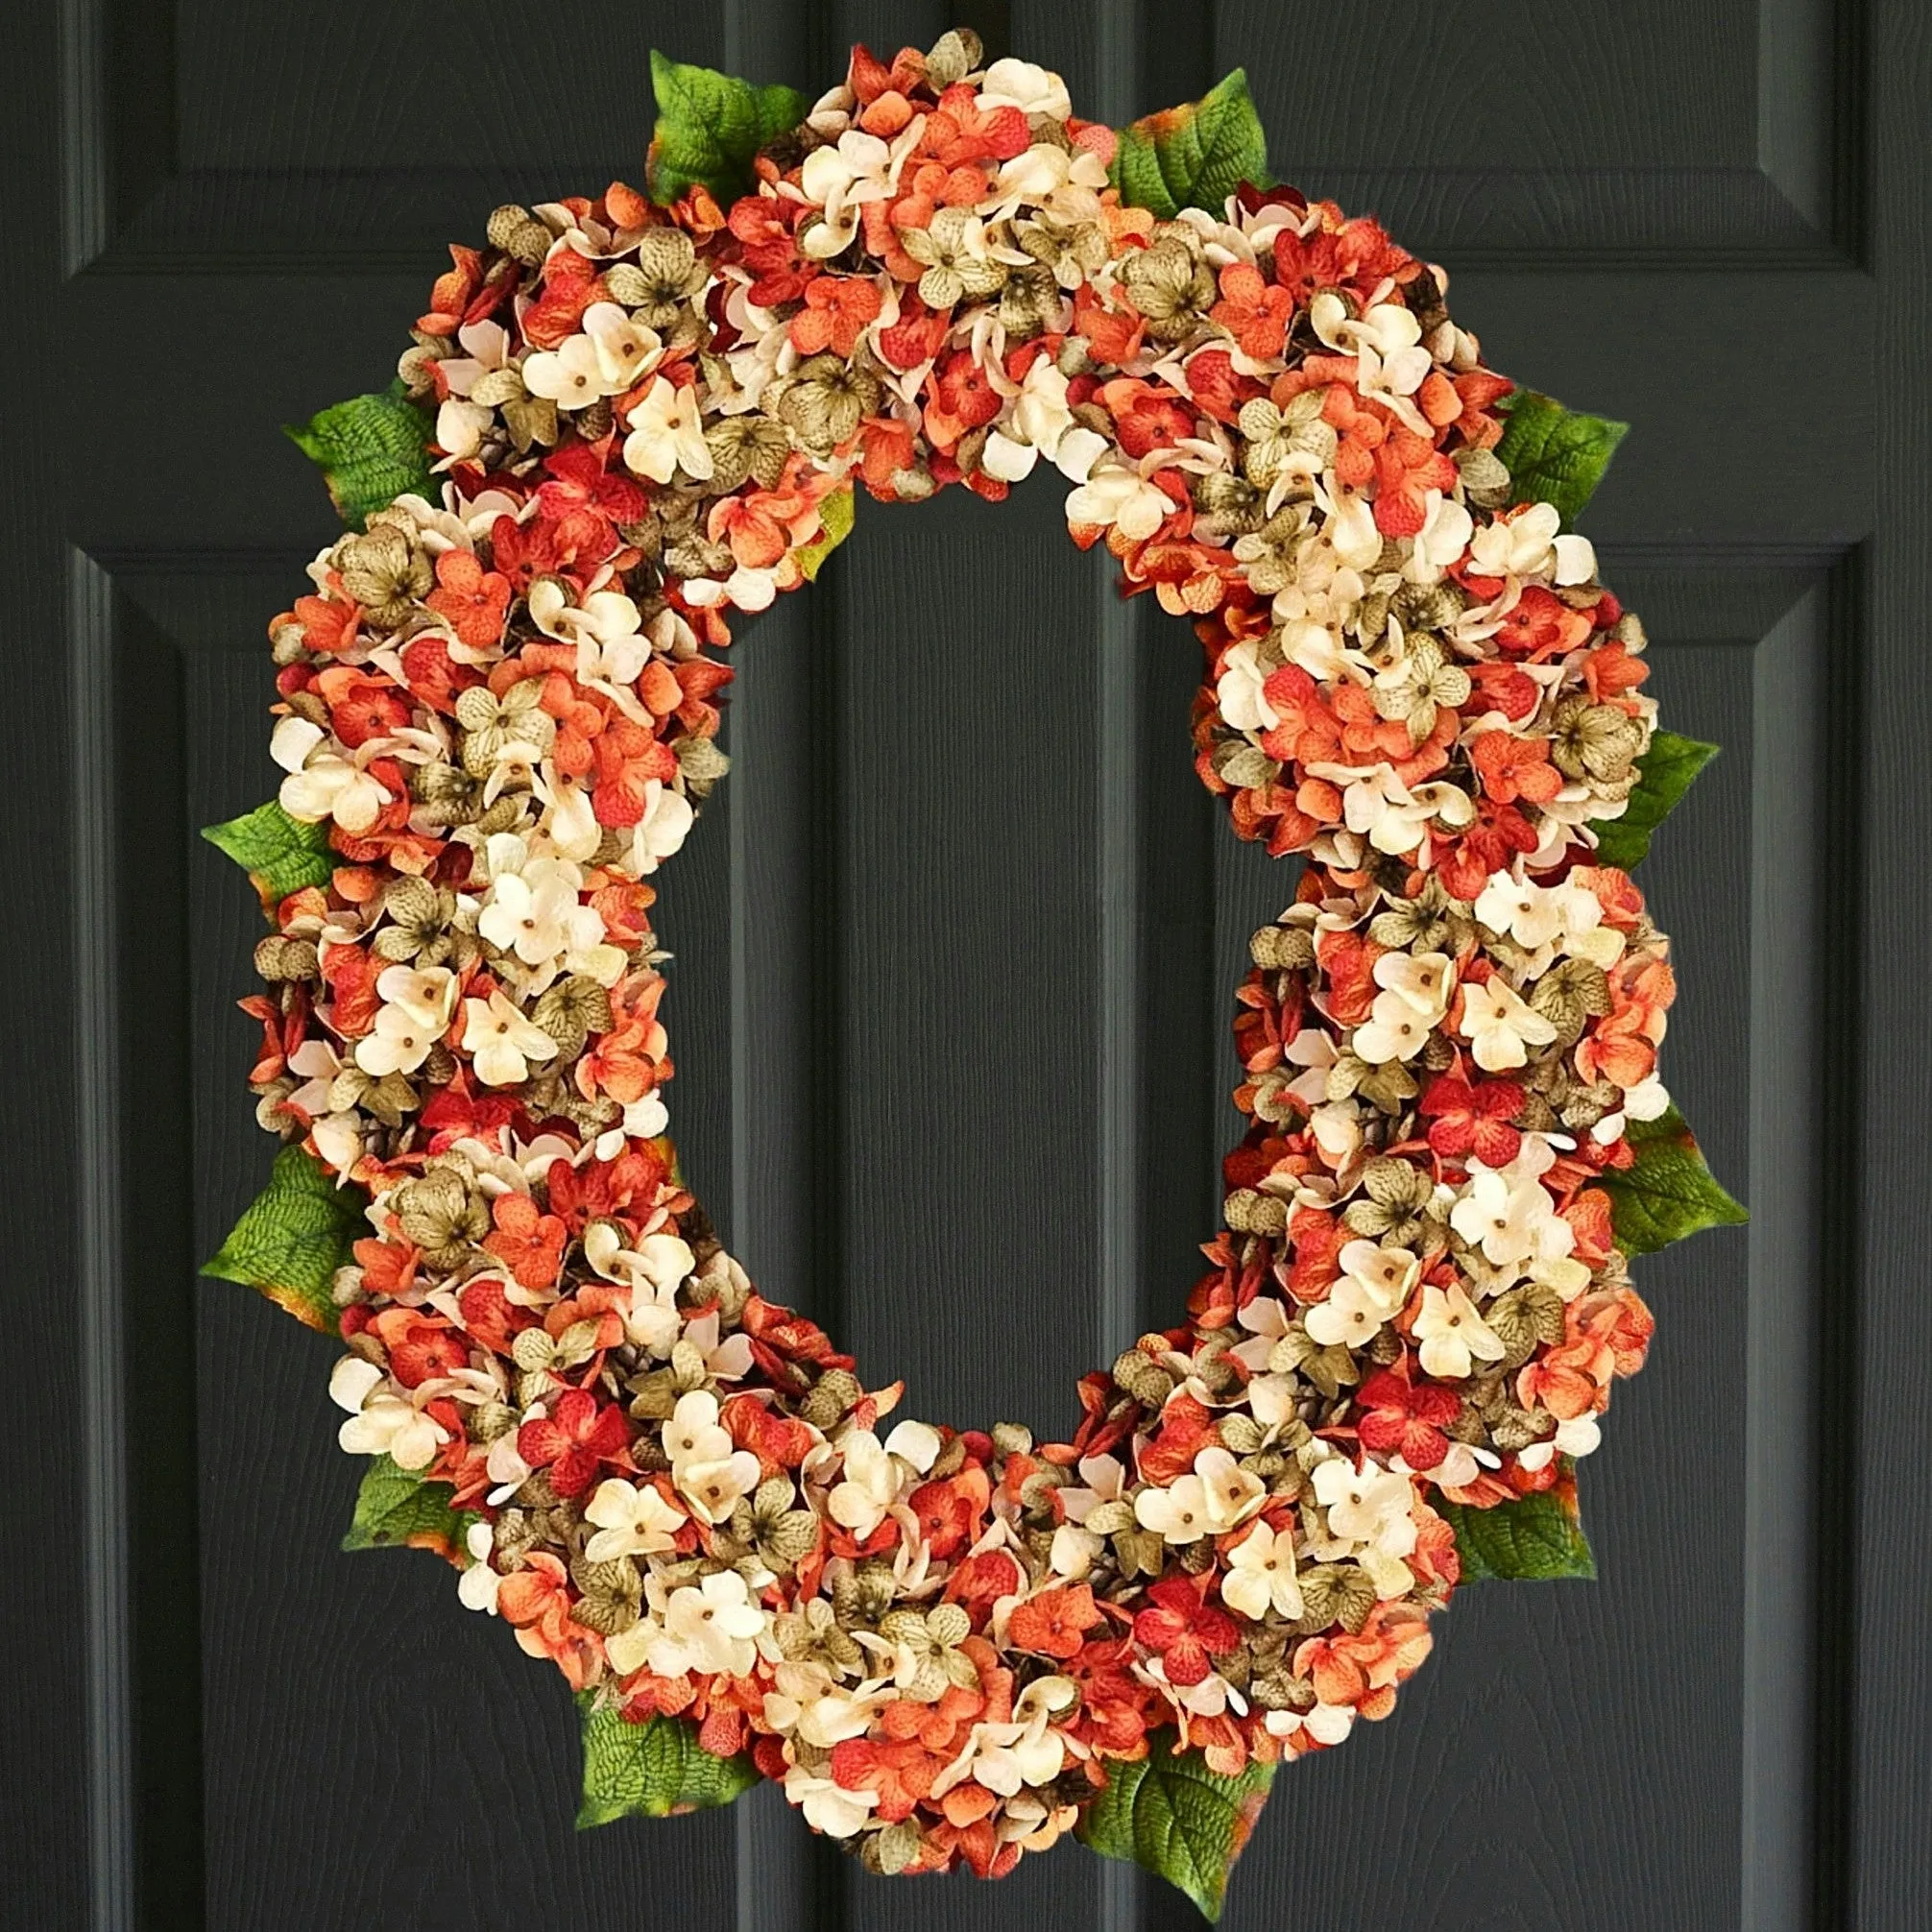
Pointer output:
x,y
1171,1814
1529,1538
654,1769
293,1237
372,449
279,854
1195,156
709,127
397,1506
835,516
1553,454
1664,774
1668,1192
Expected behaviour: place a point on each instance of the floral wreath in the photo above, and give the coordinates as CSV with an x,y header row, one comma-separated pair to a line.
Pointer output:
x,y
624,419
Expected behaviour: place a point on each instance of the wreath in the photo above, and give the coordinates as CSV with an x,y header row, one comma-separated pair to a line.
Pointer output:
x,y
624,419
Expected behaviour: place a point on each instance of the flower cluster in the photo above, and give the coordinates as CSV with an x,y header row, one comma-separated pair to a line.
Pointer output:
x,y
501,706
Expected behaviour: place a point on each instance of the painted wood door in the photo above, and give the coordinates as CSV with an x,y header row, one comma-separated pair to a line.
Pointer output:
x,y
954,951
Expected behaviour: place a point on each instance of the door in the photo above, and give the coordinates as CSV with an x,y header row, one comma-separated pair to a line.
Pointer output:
x,y
950,995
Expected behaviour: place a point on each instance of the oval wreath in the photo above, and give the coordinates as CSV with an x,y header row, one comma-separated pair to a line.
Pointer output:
x,y
625,418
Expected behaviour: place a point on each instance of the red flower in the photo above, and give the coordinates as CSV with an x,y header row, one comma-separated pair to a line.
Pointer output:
x,y
1407,1419
1184,1629
574,1443
837,309
580,479
527,1242
1466,1119
1256,315
1054,1623
471,597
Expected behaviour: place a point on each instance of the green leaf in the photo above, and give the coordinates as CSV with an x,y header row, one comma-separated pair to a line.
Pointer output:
x,y
1555,455
652,1770
280,854
1669,1193
1178,1819
1532,1538
372,449
709,127
1193,156
396,1506
1664,774
294,1236
834,515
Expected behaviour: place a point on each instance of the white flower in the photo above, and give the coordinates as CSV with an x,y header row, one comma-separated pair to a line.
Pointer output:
x,y
1326,1724
570,377
1260,1575
460,426
1648,1100
708,1628
712,1489
666,435
1231,1494
501,1043
1519,909
1395,1030
1524,542
876,1472
485,346
1510,1221
1422,979
1500,1027
1444,535
1119,496
1003,1758
668,820
1388,1273
292,741
1178,1513
828,1807
626,350
382,1422
841,179
1240,693
1385,339
1350,1315
1103,1480
477,1586
1451,1333
1033,91
1367,1506
399,1044
1074,1549
530,915
331,786
632,1519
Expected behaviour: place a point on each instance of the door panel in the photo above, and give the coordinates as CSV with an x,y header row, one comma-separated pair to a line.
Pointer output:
x,y
954,951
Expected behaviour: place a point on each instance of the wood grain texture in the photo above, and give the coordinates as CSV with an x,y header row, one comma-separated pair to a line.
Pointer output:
x,y
900,969
1648,131
1884,1785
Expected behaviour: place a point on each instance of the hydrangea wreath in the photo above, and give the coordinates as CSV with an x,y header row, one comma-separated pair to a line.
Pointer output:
x,y
624,419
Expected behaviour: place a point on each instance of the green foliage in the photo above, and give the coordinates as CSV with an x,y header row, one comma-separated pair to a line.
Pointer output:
x,y
652,1770
1669,1193
1555,455
835,514
1664,774
1176,1818
396,1506
280,854
372,449
1195,156
293,1237
1532,1539
709,127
